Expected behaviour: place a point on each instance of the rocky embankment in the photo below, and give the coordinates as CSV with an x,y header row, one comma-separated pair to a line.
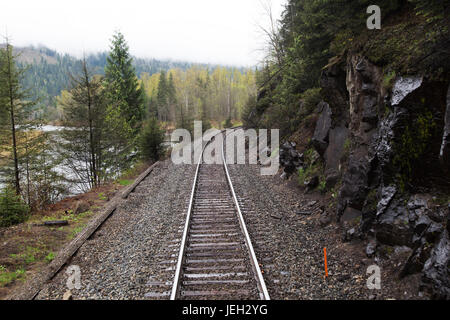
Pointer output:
x,y
385,151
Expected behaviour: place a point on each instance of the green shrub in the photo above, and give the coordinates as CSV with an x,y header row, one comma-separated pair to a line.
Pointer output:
x,y
311,99
322,185
302,174
346,149
125,182
8,277
228,123
388,80
250,113
12,208
432,10
49,258
102,196
151,140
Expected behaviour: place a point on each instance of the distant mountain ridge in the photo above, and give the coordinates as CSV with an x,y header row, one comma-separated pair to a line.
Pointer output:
x,y
48,72
36,55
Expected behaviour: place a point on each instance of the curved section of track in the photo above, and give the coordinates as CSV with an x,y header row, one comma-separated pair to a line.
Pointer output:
x,y
216,258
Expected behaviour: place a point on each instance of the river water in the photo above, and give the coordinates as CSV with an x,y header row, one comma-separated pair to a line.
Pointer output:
x,y
72,189
64,170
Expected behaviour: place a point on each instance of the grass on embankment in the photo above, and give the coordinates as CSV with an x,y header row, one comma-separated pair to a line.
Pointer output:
x,y
26,248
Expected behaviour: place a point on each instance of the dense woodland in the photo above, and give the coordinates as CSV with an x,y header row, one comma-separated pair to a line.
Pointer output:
x,y
48,74
115,110
312,34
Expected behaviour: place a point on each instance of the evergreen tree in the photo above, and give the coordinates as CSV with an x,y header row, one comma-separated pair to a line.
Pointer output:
x,y
16,108
163,97
12,209
120,141
152,105
44,184
151,140
85,109
171,96
122,84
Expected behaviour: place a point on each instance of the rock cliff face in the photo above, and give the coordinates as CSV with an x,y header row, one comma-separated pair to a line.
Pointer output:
x,y
396,177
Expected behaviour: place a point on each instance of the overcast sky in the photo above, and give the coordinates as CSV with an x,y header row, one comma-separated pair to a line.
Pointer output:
x,y
211,31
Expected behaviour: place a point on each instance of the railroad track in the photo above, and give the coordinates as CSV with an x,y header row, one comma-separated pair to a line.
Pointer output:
x,y
216,258
208,253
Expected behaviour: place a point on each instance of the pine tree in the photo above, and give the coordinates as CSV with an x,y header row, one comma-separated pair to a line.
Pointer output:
x,y
171,97
85,109
16,108
12,209
152,105
122,84
120,141
44,184
151,140
163,97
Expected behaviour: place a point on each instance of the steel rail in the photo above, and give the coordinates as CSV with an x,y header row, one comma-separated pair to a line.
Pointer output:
x,y
264,294
181,255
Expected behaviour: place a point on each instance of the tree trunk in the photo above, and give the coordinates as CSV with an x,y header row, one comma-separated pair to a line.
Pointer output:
x,y
13,124
91,130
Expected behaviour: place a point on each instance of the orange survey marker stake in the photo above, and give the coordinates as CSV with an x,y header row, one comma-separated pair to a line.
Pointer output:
x,y
326,266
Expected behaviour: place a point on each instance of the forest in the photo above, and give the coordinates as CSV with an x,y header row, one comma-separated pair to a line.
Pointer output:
x,y
47,75
312,35
364,121
114,111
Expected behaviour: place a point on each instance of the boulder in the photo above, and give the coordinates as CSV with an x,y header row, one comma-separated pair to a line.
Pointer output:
x,y
81,207
349,235
350,214
324,219
355,185
311,183
403,86
334,90
417,207
323,125
371,248
333,154
393,225
417,259
387,194
290,158
436,275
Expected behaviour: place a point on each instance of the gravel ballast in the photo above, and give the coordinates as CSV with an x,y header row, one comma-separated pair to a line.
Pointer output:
x,y
133,254
121,256
289,240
